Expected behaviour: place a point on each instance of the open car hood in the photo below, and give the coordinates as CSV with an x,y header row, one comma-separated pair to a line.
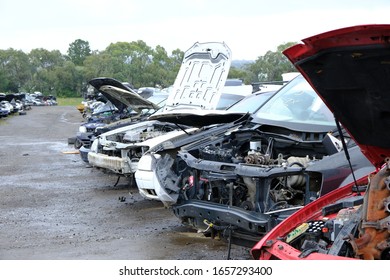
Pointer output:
x,y
120,95
350,69
201,77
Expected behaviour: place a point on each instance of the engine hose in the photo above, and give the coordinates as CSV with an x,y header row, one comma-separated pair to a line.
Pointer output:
x,y
296,163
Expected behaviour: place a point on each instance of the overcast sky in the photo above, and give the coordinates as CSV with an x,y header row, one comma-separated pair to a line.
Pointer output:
x,y
249,27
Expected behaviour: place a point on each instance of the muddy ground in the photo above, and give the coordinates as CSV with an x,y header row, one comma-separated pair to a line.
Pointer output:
x,y
53,206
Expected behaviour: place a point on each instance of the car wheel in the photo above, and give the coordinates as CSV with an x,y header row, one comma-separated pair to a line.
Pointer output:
x,y
77,144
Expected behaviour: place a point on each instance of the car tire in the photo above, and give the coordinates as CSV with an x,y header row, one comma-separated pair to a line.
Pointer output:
x,y
71,140
77,143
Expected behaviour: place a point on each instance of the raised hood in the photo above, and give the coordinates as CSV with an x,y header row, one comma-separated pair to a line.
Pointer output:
x,y
120,95
201,77
350,69
198,86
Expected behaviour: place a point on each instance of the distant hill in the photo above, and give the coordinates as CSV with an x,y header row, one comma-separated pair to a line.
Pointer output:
x,y
241,63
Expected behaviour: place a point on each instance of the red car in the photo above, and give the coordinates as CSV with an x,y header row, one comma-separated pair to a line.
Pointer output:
x,y
350,69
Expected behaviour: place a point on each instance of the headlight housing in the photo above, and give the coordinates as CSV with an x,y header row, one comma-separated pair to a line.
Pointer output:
x,y
94,146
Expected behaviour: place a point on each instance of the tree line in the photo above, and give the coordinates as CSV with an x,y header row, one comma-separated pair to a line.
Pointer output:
x,y
67,75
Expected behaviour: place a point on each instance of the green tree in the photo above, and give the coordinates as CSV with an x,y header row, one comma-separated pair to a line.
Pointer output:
x,y
44,59
3,81
130,60
78,51
157,72
98,65
67,75
271,66
15,69
175,61
69,80
44,63
237,73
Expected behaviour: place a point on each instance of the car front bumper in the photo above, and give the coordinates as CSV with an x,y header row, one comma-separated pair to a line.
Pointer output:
x,y
112,163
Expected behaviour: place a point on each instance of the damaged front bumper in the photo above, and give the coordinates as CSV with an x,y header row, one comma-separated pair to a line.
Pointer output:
x,y
115,164
148,182
249,225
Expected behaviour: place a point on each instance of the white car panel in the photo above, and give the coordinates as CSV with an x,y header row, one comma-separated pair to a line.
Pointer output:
x,y
201,77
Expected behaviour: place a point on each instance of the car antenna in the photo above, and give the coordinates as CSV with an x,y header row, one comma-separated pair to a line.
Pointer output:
x,y
346,153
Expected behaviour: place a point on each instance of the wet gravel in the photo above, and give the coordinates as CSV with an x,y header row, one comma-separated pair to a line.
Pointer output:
x,y
54,206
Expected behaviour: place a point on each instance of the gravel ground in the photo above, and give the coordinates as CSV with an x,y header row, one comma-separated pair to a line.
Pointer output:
x,y
53,206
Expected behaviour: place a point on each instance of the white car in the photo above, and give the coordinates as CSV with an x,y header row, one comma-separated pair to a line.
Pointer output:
x,y
154,175
7,106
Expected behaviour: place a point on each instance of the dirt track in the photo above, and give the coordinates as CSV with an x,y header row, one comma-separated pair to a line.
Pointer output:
x,y
55,207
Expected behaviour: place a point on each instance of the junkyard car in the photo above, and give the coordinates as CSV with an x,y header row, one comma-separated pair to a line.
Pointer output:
x,y
349,69
242,181
5,108
157,165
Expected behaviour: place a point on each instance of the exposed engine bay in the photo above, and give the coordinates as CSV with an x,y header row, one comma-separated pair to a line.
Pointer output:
x,y
273,154
142,133
119,151
260,153
127,138
355,227
249,172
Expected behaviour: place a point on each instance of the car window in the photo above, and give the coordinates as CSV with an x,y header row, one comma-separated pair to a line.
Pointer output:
x,y
227,99
156,99
297,102
251,103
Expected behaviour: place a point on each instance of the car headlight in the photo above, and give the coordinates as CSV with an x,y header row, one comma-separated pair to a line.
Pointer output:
x,y
82,129
94,146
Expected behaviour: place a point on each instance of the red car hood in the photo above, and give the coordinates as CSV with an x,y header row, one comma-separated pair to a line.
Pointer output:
x,y
350,69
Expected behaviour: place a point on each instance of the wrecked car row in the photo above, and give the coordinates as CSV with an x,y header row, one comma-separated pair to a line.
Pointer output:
x,y
124,137
241,173
13,104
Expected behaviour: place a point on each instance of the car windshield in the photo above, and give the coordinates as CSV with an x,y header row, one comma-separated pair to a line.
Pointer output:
x,y
107,107
227,100
156,99
251,103
296,104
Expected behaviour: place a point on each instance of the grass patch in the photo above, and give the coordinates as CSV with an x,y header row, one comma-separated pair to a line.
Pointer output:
x,y
69,101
